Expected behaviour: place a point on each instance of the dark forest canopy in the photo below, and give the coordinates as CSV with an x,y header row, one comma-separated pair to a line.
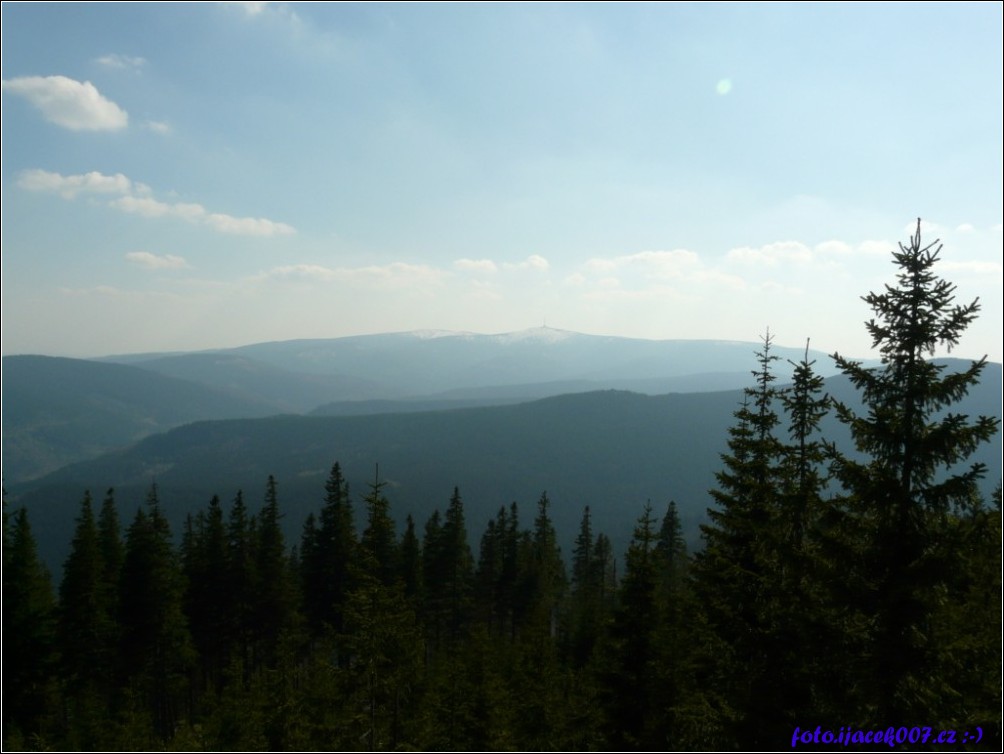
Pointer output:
x,y
851,584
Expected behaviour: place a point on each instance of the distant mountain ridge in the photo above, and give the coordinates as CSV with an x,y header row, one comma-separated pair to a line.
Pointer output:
x,y
424,363
60,411
611,450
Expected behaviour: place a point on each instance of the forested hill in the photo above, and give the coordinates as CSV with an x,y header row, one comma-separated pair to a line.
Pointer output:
x,y
59,411
610,450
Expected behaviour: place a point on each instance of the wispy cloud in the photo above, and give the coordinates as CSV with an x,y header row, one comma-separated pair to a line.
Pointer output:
x,y
121,62
250,8
673,263
800,254
68,186
773,254
158,127
476,265
135,199
72,104
157,262
394,275
532,262
973,267
243,226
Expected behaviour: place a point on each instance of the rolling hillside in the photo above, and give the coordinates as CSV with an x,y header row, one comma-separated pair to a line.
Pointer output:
x,y
611,450
58,411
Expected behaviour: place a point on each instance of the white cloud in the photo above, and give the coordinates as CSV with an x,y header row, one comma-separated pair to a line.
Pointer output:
x,y
927,229
144,206
976,267
475,265
158,127
135,200
157,262
250,8
838,248
68,186
71,104
876,248
395,275
771,254
121,62
966,228
306,271
532,262
660,264
246,226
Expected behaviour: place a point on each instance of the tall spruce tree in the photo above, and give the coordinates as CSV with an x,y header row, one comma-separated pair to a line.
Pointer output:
x,y
87,634
449,574
275,600
899,500
584,608
208,600
155,649
737,574
634,709
28,637
378,538
326,554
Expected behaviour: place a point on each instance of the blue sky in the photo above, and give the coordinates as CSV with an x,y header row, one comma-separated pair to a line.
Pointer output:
x,y
188,176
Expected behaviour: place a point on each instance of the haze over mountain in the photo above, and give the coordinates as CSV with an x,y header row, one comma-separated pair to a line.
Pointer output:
x,y
423,363
611,450
59,411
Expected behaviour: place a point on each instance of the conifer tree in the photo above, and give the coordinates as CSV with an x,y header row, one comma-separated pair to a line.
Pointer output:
x,y
584,612
110,541
28,637
378,538
808,630
736,574
208,602
381,631
86,632
411,563
449,574
240,579
155,646
326,556
274,599
900,498
488,575
635,714
545,572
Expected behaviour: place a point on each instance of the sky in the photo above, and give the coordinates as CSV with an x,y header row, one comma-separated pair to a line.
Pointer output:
x,y
195,176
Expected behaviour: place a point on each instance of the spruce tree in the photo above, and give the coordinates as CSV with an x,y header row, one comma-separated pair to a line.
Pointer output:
x,y
274,598
87,633
208,600
155,646
634,718
327,552
737,574
240,580
900,498
584,608
28,638
378,538
411,563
